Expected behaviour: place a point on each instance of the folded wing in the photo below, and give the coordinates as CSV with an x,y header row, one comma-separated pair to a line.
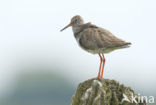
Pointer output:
x,y
93,37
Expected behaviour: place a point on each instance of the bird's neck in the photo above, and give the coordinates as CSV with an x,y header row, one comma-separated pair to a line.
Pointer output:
x,y
76,29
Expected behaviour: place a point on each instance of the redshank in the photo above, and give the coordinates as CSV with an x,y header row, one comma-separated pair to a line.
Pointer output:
x,y
95,39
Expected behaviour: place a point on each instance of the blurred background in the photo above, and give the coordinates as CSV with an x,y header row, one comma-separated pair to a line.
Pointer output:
x,y
39,65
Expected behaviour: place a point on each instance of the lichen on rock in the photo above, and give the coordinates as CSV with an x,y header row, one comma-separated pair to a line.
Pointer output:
x,y
104,92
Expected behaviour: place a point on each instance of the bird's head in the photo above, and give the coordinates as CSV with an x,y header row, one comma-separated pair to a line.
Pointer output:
x,y
75,21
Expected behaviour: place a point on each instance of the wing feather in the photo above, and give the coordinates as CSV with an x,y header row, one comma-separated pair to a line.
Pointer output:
x,y
93,38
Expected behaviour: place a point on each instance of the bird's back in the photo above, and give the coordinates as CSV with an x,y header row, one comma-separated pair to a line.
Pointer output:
x,y
98,40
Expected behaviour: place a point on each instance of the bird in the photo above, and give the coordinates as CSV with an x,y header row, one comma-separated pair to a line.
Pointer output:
x,y
95,40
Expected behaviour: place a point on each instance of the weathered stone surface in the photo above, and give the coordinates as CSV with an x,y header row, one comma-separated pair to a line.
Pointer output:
x,y
104,92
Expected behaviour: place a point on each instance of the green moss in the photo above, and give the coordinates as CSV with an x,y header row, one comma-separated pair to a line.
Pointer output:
x,y
101,92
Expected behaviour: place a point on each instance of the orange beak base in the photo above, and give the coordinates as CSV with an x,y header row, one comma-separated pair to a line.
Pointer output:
x,y
66,27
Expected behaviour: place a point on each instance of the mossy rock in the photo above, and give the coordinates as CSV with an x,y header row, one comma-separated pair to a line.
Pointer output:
x,y
103,92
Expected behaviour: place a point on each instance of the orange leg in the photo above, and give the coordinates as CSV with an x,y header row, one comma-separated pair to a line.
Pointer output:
x,y
100,66
103,59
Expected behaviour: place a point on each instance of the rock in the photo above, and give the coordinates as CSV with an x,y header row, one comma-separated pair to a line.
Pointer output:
x,y
105,92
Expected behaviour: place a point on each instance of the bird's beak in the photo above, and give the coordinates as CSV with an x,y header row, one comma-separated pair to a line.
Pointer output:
x,y
66,27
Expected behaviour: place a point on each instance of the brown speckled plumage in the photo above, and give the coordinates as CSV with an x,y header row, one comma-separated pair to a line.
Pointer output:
x,y
99,40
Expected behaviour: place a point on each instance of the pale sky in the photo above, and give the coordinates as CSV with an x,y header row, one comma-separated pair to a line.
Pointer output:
x,y
30,37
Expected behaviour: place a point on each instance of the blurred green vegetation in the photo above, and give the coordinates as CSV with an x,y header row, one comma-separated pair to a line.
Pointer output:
x,y
40,88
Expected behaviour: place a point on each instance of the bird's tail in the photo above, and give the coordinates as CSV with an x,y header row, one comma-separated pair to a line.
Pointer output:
x,y
126,45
